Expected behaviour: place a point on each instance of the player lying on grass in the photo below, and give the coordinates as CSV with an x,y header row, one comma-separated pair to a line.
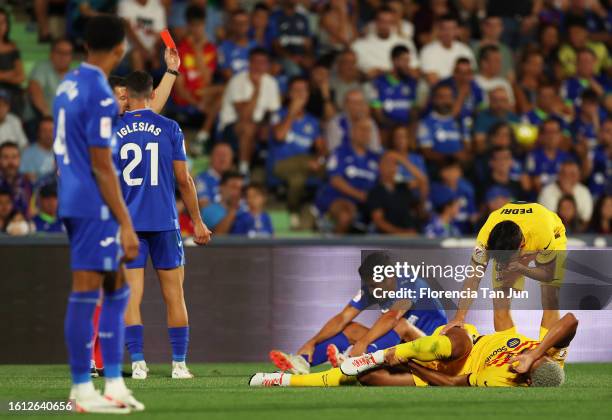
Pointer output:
x,y
505,359
513,236
401,320
152,163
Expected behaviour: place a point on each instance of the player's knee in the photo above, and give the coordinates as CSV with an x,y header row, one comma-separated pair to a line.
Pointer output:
x,y
461,343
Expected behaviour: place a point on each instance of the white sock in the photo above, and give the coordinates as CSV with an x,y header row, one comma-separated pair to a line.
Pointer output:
x,y
114,386
285,379
379,356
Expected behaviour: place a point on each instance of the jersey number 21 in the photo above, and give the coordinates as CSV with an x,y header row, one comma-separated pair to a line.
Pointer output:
x,y
153,149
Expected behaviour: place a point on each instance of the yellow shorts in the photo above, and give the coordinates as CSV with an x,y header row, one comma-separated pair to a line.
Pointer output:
x,y
519,284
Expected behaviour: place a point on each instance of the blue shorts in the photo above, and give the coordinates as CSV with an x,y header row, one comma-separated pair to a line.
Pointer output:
x,y
165,248
94,244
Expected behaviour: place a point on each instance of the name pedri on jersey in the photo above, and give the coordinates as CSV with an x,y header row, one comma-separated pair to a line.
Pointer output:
x,y
148,145
85,112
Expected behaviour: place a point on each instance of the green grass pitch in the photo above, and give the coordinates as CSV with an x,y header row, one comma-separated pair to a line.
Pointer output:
x,y
220,391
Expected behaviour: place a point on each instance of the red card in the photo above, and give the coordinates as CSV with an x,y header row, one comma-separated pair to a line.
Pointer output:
x,y
167,38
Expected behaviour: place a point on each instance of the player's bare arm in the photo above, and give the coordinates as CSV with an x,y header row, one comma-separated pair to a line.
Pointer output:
x,y
163,90
559,336
471,283
104,171
332,327
544,273
187,188
383,325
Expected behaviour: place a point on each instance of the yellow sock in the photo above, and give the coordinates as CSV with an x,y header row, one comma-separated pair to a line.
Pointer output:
x,y
424,349
543,332
332,377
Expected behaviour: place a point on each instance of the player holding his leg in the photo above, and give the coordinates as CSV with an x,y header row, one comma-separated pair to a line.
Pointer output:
x,y
400,320
96,218
152,162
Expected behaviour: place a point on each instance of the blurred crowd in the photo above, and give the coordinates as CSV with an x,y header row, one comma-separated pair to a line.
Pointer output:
x,y
400,117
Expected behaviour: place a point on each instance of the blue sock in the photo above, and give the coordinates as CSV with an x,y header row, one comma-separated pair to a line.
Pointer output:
x,y
112,330
134,341
78,333
384,342
320,354
179,340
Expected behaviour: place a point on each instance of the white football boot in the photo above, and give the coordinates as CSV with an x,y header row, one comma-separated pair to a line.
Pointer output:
x,y
139,370
353,366
270,379
291,363
116,391
180,371
87,399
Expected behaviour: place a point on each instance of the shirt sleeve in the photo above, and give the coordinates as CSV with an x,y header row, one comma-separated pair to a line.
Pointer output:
x,y
178,146
424,135
360,301
102,115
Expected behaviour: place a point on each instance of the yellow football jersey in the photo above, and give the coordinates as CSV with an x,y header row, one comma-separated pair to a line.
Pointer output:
x,y
542,229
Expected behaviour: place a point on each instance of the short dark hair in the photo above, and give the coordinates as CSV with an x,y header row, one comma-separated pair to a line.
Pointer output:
x,y
576,22
104,32
296,79
195,13
229,175
257,187
48,190
116,81
448,17
139,84
261,6
463,60
398,50
449,162
486,51
551,121
505,236
58,41
383,9
589,95
366,269
258,51
8,145
498,149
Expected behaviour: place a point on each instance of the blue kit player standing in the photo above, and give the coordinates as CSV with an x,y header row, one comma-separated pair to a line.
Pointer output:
x,y
152,163
400,321
96,218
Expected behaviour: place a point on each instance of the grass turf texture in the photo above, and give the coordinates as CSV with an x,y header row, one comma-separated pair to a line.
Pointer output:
x,y
220,391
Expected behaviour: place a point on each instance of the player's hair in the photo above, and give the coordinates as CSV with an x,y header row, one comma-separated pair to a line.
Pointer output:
x,y
104,32
366,269
486,51
398,50
504,237
195,13
548,374
258,51
139,84
116,81
229,175
8,145
589,95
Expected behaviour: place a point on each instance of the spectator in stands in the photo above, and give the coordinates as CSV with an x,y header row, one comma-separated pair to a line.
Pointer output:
x,y
568,183
438,57
11,180
254,222
499,110
451,178
578,38
495,198
50,19
468,96
292,35
402,144
352,171
46,220
447,207
250,97
568,213
426,17
440,134
599,169
220,215
548,105
500,174
261,30
6,208
337,27
11,129
207,182
374,50
145,19
601,222
345,76
592,13
234,51
585,78
491,29
38,159
46,76
401,27
393,95
195,93
12,74
529,79
393,207
298,149
544,162
77,13
585,126
321,101
339,128
489,77
548,45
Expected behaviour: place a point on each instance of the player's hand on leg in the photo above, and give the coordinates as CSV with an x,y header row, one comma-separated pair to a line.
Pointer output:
x,y
451,324
358,349
201,234
129,242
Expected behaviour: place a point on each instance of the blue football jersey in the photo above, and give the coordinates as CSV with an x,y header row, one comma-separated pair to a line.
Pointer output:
x,y
148,146
85,113
299,139
540,165
600,180
395,97
253,226
444,134
235,57
207,185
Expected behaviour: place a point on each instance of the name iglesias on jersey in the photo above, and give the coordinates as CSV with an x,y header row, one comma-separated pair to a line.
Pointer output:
x,y
139,126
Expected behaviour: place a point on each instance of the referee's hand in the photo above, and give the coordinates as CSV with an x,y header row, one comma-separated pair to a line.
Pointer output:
x,y
201,234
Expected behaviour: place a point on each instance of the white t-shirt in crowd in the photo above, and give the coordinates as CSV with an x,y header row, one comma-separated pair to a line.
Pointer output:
x,y
374,52
437,59
146,21
487,85
11,130
551,194
240,89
